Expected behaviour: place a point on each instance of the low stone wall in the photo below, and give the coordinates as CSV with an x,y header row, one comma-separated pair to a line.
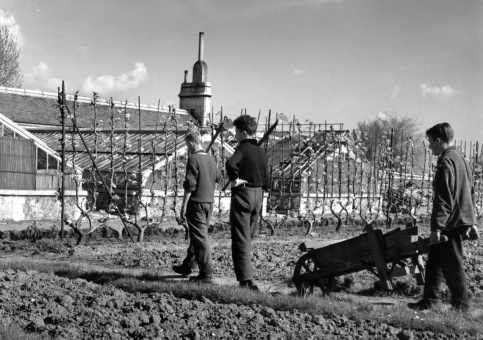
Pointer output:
x,y
221,206
20,205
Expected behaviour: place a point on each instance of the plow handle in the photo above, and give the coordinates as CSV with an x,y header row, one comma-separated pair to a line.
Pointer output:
x,y
442,239
424,244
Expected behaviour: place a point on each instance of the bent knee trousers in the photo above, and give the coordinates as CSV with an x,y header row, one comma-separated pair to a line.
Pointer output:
x,y
198,217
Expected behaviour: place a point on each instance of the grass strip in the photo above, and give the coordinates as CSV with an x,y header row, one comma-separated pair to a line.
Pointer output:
x,y
147,282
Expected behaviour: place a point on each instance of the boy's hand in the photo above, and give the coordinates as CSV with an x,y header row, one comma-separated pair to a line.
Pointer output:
x,y
434,237
237,182
182,212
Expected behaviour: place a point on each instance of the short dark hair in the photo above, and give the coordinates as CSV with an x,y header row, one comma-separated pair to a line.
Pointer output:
x,y
193,136
443,131
246,123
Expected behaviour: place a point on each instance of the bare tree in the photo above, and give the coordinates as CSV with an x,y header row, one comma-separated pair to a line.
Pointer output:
x,y
400,129
9,54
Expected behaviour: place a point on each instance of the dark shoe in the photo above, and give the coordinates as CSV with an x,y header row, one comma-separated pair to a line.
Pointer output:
x,y
471,233
183,270
420,305
202,279
249,284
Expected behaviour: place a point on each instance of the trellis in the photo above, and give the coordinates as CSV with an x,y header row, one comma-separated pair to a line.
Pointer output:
x,y
317,171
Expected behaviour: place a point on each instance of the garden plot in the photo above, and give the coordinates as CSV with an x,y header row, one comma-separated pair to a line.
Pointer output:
x,y
81,308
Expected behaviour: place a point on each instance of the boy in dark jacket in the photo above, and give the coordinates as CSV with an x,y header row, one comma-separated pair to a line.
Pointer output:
x,y
453,215
248,173
199,187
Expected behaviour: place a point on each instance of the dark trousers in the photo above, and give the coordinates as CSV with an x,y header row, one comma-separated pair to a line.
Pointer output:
x,y
245,209
199,252
446,260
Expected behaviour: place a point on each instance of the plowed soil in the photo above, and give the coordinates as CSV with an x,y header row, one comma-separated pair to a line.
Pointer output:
x,y
77,309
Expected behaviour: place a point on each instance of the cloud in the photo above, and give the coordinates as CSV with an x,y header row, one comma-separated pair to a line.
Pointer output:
x,y
438,93
296,72
395,92
8,20
123,82
382,116
41,78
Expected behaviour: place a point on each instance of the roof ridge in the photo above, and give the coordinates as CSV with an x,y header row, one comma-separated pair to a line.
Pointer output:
x,y
51,95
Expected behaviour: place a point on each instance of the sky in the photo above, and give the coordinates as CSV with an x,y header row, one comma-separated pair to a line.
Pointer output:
x,y
334,61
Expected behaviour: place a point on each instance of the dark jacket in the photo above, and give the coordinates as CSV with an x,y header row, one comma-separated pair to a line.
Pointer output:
x,y
249,162
201,176
453,192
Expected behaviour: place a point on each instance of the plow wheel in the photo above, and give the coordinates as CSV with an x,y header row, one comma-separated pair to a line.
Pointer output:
x,y
308,275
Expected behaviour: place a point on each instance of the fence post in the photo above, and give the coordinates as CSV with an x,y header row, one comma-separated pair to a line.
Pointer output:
x,y
62,209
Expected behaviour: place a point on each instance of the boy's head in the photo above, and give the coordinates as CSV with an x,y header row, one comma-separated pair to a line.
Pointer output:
x,y
245,127
193,140
440,137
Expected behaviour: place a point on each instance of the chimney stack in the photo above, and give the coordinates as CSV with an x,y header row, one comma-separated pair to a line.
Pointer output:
x,y
200,49
195,97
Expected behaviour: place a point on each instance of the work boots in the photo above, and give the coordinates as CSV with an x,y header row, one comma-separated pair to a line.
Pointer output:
x,y
182,270
471,234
